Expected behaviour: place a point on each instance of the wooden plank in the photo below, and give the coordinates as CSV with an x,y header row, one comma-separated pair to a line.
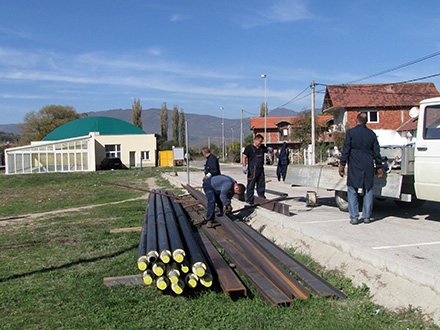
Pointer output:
x,y
124,280
125,230
227,278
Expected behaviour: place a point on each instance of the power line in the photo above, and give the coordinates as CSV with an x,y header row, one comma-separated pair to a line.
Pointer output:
x,y
398,67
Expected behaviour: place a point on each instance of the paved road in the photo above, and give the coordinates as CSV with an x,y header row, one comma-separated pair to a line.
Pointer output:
x,y
397,255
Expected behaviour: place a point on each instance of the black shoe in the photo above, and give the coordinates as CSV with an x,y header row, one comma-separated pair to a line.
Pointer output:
x,y
355,221
367,220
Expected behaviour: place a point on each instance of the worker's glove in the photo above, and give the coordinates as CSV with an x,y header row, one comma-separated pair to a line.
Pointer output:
x,y
228,209
380,172
245,169
341,170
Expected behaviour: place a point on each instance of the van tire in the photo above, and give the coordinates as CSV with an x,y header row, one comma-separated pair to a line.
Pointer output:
x,y
341,200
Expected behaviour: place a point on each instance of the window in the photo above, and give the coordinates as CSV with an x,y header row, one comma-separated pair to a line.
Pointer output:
x,y
113,151
373,116
145,155
285,132
432,123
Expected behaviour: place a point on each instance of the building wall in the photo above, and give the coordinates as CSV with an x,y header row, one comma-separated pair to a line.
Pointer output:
x,y
388,119
129,143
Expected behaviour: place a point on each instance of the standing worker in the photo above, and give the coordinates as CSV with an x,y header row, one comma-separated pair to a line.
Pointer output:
x,y
283,162
253,165
212,166
219,190
361,151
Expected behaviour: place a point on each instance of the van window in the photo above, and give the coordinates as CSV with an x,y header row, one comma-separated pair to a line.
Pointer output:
x,y
431,126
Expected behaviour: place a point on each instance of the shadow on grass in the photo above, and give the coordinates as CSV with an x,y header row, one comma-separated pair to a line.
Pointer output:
x,y
70,264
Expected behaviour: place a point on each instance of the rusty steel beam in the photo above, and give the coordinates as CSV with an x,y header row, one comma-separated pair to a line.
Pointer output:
x,y
307,276
273,270
273,204
229,281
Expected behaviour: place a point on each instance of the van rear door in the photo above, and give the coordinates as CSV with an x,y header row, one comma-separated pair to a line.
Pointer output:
x,y
427,152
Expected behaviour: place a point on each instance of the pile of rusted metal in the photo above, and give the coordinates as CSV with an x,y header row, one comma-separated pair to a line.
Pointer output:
x,y
169,255
277,275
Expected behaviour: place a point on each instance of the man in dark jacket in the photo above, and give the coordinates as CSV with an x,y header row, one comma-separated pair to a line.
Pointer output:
x,y
283,162
253,165
219,190
361,151
212,166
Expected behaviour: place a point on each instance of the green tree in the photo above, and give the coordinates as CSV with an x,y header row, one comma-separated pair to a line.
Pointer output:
x,y
164,121
38,124
264,110
234,154
175,125
248,139
302,131
182,127
136,113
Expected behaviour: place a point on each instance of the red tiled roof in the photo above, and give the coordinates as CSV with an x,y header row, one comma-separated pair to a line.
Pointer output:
x,y
377,95
271,122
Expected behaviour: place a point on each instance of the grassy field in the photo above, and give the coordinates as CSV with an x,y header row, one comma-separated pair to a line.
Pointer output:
x,y
52,267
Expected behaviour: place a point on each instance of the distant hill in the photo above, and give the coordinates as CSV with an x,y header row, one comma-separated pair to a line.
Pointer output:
x,y
202,129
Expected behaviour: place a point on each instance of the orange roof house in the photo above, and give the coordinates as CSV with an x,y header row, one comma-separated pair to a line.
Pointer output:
x,y
279,129
387,105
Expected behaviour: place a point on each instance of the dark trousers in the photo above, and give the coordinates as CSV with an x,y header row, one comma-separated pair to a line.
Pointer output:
x,y
255,177
212,198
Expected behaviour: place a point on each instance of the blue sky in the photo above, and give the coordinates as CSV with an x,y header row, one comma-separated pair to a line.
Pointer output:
x,y
203,55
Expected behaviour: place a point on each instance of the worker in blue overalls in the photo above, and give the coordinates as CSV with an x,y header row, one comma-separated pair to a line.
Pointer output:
x,y
253,165
219,190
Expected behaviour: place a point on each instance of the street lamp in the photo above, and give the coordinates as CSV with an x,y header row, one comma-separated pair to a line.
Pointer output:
x,y
265,108
232,135
223,133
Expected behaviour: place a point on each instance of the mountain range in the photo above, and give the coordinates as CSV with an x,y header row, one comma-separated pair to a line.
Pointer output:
x,y
202,129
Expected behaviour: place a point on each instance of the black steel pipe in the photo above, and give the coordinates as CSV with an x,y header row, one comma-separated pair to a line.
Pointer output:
x,y
198,262
176,244
142,261
151,247
162,235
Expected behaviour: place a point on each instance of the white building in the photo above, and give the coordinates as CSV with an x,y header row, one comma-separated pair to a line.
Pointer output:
x,y
81,145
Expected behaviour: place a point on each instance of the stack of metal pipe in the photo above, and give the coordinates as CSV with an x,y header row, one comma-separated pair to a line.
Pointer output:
x,y
169,255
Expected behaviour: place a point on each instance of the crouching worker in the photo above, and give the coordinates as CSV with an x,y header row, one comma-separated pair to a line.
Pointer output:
x,y
219,190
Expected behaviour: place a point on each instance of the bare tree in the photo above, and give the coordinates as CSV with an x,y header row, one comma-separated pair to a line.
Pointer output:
x,y
136,113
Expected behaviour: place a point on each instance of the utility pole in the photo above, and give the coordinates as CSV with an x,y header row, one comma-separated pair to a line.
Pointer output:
x,y
223,133
241,132
265,108
313,123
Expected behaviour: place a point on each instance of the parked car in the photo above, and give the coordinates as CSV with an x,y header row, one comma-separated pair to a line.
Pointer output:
x,y
111,163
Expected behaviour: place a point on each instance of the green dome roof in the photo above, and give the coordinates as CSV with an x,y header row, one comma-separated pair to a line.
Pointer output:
x,y
83,126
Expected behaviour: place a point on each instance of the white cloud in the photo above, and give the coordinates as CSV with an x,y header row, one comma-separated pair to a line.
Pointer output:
x,y
280,11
